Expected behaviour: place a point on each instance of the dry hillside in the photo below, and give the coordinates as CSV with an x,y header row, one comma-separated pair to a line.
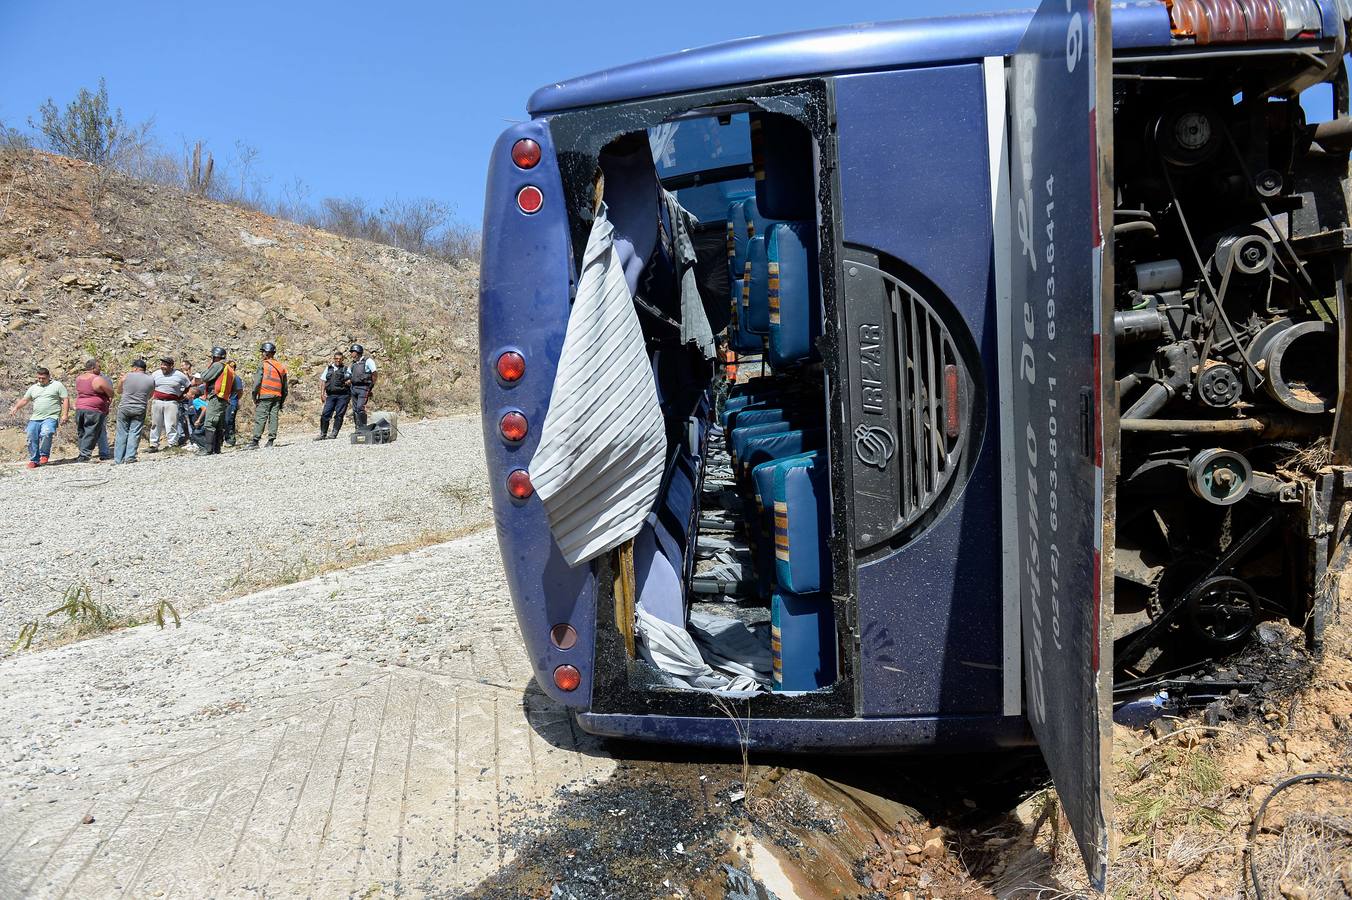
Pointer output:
x,y
160,271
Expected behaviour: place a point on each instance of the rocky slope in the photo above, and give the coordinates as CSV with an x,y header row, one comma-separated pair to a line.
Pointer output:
x,y
158,271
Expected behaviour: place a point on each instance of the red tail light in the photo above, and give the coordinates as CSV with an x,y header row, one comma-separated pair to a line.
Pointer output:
x,y
952,414
567,678
511,366
526,153
518,484
530,199
513,426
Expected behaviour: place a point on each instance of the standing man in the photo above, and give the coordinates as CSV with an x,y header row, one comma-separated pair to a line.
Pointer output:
x,y
363,376
269,393
171,386
51,409
232,412
136,387
337,379
93,399
219,383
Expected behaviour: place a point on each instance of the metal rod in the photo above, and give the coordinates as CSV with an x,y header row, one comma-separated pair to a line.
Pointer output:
x,y
1267,427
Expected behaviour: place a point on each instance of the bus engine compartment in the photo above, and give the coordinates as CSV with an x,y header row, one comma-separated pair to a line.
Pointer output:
x,y
1230,223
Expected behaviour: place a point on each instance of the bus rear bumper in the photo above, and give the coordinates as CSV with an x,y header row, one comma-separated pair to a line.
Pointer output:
x,y
958,733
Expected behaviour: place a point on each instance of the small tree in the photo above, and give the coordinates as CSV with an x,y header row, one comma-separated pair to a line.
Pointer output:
x,y
86,129
89,129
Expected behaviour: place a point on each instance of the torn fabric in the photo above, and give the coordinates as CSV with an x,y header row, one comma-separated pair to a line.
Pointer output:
x,y
695,327
672,650
603,446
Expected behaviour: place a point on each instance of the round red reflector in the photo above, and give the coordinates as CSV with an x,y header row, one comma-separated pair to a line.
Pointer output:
x,y
567,678
518,484
511,366
526,153
563,636
513,426
530,199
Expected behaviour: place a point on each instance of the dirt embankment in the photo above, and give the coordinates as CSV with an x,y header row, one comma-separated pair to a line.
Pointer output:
x,y
159,271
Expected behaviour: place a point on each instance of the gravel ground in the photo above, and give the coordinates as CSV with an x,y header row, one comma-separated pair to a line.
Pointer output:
x,y
192,531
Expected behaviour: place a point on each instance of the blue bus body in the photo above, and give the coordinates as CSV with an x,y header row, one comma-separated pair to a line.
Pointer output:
x,y
918,124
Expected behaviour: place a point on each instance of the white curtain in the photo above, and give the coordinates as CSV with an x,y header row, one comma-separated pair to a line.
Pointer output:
x,y
603,446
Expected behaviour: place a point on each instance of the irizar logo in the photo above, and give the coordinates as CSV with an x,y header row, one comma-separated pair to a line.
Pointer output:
x,y
874,445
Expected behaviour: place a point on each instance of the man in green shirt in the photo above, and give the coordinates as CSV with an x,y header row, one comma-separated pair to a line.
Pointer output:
x,y
51,409
218,381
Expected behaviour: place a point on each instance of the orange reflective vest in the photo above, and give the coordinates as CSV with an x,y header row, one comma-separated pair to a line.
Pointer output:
x,y
271,383
225,382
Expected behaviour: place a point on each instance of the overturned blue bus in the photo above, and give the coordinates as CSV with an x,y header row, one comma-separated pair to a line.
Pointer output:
x,y
905,385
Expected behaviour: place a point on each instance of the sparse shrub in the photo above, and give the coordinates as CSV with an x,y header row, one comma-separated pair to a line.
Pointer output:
x,y
11,139
164,606
27,632
401,366
83,615
464,493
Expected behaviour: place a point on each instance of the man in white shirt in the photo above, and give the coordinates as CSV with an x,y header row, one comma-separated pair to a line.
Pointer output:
x,y
337,381
171,386
362,376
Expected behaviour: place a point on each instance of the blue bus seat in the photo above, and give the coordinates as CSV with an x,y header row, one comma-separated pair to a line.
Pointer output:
x,y
757,223
781,155
756,302
800,498
794,296
802,641
743,340
779,445
762,480
756,414
743,436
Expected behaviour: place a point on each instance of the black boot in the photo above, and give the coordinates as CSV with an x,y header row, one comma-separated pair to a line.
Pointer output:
x,y
208,442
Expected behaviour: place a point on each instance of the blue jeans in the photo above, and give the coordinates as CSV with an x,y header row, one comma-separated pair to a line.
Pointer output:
x,y
128,435
40,433
335,407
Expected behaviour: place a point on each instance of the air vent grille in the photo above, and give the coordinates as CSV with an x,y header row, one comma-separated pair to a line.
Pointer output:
x,y
933,404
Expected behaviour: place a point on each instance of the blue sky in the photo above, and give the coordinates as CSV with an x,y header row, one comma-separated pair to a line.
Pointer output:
x,y
366,99
363,99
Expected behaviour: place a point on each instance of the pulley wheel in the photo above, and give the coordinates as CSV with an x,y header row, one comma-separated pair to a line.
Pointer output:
x,y
1223,610
1220,477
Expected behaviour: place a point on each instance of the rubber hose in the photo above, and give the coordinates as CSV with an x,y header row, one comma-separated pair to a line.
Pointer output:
x,y
1258,892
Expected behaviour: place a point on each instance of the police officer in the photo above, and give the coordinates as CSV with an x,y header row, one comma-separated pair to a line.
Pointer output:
x,y
269,393
218,381
363,377
337,379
